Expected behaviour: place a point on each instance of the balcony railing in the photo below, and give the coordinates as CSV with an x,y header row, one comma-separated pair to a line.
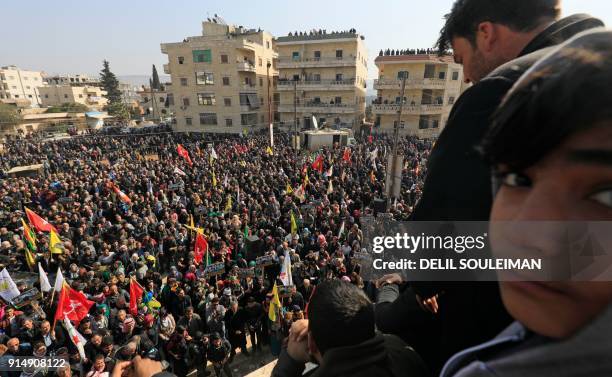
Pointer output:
x,y
290,62
410,83
318,107
245,67
407,109
317,84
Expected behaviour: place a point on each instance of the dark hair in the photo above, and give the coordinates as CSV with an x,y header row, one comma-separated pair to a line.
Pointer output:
x,y
567,91
339,315
519,15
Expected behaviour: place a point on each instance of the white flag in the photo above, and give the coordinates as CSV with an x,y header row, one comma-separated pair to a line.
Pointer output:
x,y
315,125
341,230
179,171
76,338
8,288
330,188
59,280
213,154
225,180
285,273
44,280
374,154
330,172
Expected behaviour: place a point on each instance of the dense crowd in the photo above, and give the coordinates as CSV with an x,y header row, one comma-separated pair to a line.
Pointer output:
x,y
235,191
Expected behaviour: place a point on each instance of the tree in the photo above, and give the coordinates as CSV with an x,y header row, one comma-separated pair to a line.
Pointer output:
x,y
155,84
109,82
9,115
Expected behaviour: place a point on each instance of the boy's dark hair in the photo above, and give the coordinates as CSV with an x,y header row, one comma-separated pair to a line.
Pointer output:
x,y
518,15
566,92
339,315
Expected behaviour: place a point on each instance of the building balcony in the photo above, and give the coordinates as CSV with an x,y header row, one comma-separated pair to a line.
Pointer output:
x,y
288,62
246,44
410,84
392,109
318,108
167,69
245,67
248,88
348,84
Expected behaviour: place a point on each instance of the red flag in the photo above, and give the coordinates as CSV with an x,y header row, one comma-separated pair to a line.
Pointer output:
x,y
318,164
370,139
136,292
124,198
183,153
347,155
38,222
201,248
72,305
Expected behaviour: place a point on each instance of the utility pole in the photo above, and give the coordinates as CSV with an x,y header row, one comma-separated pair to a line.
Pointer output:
x,y
269,105
295,144
393,182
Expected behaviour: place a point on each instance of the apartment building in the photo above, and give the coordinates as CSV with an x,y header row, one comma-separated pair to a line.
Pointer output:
x,y
20,84
157,103
55,95
433,84
221,79
322,74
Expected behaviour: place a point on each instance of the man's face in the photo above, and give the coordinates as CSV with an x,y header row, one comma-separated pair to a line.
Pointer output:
x,y
572,183
476,63
13,345
96,340
45,327
99,365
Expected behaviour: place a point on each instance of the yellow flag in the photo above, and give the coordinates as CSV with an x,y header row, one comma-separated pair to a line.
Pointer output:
x,y
274,304
269,151
55,244
289,189
306,180
191,223
214,179
294,227
30,258
228,206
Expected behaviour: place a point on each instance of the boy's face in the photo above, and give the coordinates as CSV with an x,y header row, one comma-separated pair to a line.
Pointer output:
x,y
572,183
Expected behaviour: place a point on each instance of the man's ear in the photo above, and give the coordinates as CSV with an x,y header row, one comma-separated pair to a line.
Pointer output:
x,y
486,36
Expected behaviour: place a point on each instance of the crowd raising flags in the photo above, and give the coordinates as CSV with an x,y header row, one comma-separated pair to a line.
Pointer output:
x,y
275,304
72,304
38,222
136,291
200,250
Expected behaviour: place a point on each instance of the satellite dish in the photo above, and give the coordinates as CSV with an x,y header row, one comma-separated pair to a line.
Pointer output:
x,y
315,125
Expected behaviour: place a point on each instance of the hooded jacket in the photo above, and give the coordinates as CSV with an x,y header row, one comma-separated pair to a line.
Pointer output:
x,y
383,355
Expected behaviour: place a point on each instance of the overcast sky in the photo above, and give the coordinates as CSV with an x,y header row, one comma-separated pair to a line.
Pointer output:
x,y
74,36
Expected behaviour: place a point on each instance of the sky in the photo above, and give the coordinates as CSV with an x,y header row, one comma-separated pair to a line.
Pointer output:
x,y
74,36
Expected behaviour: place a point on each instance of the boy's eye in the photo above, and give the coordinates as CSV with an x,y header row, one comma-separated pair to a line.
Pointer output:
x,y
603,197
513,179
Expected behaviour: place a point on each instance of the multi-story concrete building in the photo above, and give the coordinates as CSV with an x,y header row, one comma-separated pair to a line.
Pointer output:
x,y
55,95
322,74
433,84
21,84
73,80
156,104
221,79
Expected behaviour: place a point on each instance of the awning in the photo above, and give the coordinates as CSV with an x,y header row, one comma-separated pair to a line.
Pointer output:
x,y
253,101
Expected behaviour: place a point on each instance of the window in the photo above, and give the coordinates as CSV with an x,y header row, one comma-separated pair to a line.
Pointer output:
x,y
260,62
260,101
181,60
316,100
226,81
16,95
224,59
202,56
296,77
262,119
183,81
316,77
427,97
338,100
339,77
451,100
162,99
260,81
442,75
65,95
455,75
435,123
189,121
430,71
423,122
186,102
27,87
401,74
206,99
46,96
170,99
208,119
227,101
268,44
317,55
295,55
229,122
338,54
204,78
250,100
80,96
29,96
248,119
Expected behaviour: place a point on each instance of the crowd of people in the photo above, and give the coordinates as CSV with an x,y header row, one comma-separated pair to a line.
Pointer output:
x,y
233,190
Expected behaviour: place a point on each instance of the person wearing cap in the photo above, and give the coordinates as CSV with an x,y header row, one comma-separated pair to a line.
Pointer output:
x,y
218,353
340,336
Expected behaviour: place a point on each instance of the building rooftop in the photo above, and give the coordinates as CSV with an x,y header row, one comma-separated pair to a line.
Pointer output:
x,y
319,34
413,55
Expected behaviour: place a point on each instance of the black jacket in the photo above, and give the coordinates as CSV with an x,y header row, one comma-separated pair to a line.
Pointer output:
x,y
381,356
458,187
